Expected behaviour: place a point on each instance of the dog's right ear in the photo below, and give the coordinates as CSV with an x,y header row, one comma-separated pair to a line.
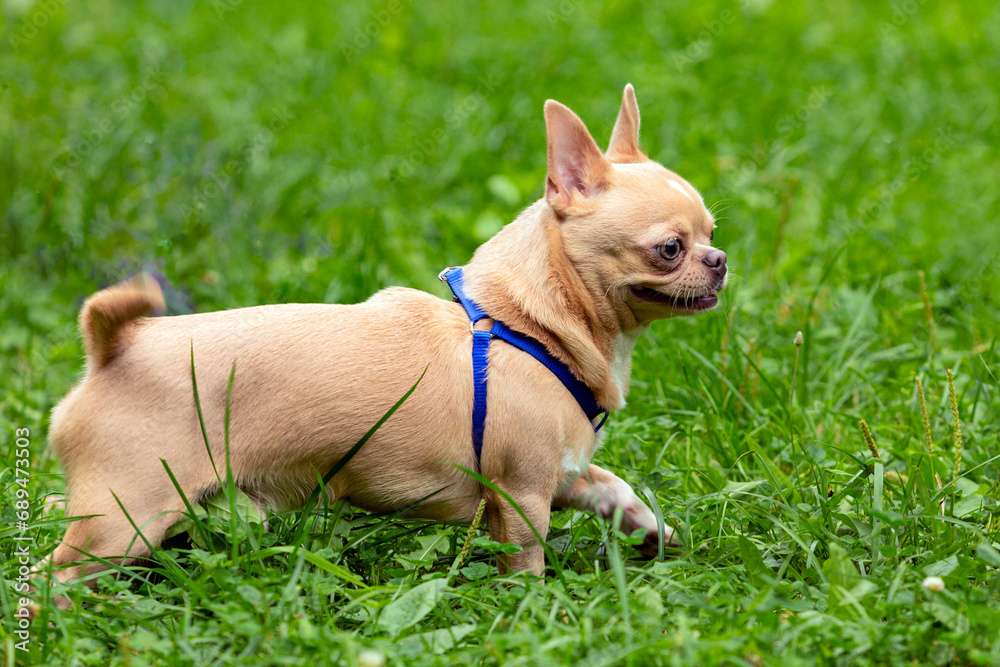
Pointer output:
x,y
624,146
577,168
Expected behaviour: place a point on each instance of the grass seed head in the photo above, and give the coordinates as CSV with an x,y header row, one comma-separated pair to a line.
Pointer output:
x,y
924,414
956,422
869,440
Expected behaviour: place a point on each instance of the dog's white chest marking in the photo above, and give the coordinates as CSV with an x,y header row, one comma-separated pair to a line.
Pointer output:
x,y
576,459
621,361
573,463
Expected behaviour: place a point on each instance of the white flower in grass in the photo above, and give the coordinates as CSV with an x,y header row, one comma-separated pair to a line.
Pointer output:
x,y
933,584
369,657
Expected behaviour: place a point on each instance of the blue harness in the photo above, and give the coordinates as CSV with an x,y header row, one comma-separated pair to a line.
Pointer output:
x,y
480,351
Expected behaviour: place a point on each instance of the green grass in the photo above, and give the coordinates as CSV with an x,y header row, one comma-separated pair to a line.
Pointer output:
x,y
265,153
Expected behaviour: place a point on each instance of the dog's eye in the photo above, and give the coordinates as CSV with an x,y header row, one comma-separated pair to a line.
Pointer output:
x,y
711,236
670,250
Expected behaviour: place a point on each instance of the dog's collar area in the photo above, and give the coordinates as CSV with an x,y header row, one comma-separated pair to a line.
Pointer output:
x,y
455,279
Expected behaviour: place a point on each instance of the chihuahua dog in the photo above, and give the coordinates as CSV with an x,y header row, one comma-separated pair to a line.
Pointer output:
x,y
616,242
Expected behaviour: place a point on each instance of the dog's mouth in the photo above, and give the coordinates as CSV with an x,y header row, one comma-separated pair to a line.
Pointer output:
x,y
688,303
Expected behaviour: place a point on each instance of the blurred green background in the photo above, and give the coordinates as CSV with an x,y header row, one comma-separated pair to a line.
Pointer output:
x,y
408,133
280,152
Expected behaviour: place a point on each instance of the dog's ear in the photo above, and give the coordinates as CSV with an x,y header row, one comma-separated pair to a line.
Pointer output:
x,y
624,146
577,168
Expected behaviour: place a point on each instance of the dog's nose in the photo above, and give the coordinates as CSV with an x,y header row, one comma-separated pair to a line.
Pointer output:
x,y
716,260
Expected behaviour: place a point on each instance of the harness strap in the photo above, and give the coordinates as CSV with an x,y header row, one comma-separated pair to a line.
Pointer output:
x,y
480,360
580,391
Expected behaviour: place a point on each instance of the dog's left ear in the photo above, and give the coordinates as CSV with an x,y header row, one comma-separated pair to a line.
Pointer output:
x,y
578,170
624,146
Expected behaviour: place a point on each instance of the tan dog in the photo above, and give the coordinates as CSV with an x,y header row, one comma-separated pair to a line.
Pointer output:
x,y
617,241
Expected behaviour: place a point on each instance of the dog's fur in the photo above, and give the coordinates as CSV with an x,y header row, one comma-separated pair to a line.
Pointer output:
x,y
581,270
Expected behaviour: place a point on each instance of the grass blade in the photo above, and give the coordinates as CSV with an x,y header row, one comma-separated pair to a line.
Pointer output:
x,y
345,459
206,535
201,416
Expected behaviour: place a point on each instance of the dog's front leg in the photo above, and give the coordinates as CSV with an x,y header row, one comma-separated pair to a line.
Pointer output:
x,y
598,490
507,525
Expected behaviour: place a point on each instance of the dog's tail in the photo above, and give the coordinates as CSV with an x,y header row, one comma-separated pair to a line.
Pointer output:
x,y
106,314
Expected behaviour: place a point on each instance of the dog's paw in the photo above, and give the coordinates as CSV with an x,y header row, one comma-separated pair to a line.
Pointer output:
x,y
650,546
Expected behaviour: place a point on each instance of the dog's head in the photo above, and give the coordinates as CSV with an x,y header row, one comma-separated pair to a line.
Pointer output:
x,y
639,234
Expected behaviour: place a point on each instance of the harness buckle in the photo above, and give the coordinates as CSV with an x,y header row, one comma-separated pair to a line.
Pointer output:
x,y
441,276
